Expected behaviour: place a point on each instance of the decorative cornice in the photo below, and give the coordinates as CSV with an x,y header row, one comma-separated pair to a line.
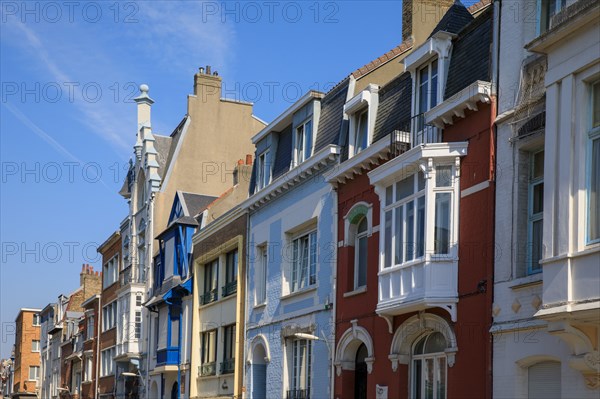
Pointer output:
x,y
455,106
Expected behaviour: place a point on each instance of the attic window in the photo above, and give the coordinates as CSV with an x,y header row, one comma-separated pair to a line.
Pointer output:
x,y
263,176
361,111
303,142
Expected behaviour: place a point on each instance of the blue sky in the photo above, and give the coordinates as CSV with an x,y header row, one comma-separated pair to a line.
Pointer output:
x,y
67,123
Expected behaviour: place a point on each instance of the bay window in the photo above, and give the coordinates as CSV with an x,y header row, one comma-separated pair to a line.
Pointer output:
x,y
404,220
304,261
535,212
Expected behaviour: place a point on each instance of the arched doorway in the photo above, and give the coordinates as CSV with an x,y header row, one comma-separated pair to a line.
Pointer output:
x,y
360,373
259,372
174,390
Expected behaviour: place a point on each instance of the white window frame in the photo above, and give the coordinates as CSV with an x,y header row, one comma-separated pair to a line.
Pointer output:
x,y
263,170
107,362
296,264
365,101
36,377
593,135
558,5
36,322
88,368
532,218
33,346
296,381
262,263
419,83
109,316
357,120
110,272
423,358
90,333
207,356
300,142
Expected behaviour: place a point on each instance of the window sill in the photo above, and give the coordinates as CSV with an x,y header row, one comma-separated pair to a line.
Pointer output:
x,y
299,292
527,281
357,291
260,306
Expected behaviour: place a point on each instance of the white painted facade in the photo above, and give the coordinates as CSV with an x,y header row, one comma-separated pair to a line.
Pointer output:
x,y
546,315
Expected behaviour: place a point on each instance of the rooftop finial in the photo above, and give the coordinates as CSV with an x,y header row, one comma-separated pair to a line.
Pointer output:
x,y
144,88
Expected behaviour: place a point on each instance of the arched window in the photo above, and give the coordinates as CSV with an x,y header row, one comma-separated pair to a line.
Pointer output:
x,y
360,253
429,367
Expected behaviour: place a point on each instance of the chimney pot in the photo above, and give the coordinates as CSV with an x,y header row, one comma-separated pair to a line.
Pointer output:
x,y
248,159
208,69
201,70
215,73
240,162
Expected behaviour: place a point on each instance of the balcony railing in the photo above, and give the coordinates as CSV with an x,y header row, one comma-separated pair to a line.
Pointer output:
x,y
208,369
230,288
208,297
168,356
298,394
412,132
227,366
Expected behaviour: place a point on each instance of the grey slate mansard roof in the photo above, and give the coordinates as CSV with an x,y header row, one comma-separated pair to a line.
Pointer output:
x,y
471,55
456,18
196,203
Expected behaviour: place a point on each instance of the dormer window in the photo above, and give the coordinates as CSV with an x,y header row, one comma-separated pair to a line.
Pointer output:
x,y
361,135
428,87
548,9
361,111
303,144
263,176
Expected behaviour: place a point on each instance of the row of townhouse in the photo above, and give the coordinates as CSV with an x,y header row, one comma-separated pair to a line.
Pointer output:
x,y
428,228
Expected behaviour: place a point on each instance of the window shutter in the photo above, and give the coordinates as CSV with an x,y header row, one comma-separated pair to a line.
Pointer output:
x,y
544,380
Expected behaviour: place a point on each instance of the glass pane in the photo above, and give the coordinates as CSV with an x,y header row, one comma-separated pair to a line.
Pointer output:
x,y
398,235
537,167
410,231
441,378
361,133
594,194
538,198
433,85
405,187
362,262
418,350
429,378
423,89
443,176
362,226
435,343
300,144
596,105
417,378
442,223
536,245
388,240
313,258
420,181
308,139
420,227
389,195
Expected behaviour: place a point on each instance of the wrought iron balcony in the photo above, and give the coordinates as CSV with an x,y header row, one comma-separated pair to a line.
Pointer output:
x,y
298,394
228,366
168,356
208,369
208,297
413,132
230,288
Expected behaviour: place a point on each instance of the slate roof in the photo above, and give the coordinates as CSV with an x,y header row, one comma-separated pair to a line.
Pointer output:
x,y
196,203
456,18
283,154
478,6
162,146
471,54
393,112
175,136
332,112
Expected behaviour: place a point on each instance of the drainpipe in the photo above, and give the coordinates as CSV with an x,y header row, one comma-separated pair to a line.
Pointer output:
x,y
149,251
98,323
334,288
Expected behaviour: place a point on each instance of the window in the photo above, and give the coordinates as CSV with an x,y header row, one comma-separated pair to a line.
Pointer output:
x,y
138,324
304,142
263,176
209,353
156,332
36,320
138,299
110,273
88,368
261,271
228,364
90,327
34,373
304,262
548,9
360,254
211,273
429,367
231,271
535,212
428,87
404,221
361,131
301,369
109,316
174,331
593,217
543,380
35,345
107,364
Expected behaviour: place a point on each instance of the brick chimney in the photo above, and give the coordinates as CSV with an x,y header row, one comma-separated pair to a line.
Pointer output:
x,y
419,17
90,281
243,170
207,84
